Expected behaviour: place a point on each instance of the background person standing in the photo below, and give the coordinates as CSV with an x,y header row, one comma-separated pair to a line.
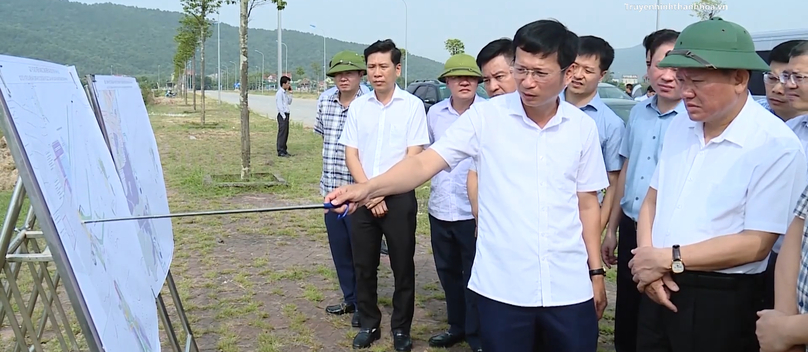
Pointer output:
x,y
283,98
451,223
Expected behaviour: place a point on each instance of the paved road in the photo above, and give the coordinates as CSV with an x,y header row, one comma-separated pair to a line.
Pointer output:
x,y
303,110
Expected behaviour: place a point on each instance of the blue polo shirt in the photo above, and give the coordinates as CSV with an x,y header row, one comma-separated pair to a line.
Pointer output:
x,y
642,143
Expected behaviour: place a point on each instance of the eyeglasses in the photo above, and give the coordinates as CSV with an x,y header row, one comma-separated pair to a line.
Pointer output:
x,y
538,75
794,78
770,79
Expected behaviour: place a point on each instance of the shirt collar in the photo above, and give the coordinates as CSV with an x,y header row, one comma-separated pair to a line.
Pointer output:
x,y
451,109
398,94
516,109
595,103
651,103
738,130
334,97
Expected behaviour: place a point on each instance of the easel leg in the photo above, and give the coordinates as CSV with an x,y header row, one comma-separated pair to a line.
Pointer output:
x,y
169,329
190,342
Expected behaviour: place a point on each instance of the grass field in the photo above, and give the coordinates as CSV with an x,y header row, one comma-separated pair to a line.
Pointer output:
x,y
261,282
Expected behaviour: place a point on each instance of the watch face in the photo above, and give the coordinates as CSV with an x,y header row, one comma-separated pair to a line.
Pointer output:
x,y
677,267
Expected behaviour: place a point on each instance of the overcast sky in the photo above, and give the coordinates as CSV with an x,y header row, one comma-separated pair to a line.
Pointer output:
x,y
476,22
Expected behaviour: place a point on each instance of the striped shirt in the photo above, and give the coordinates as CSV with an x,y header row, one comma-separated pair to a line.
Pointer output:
x,y
330,119
802,281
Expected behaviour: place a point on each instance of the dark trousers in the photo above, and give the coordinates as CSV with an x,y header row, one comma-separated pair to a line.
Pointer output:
x,y
283,132
398,227
628,297
507,328
454,246
768,282
339,239
716,313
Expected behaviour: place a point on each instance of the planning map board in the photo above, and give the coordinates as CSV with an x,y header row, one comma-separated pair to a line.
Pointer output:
x,y
130,136
70,176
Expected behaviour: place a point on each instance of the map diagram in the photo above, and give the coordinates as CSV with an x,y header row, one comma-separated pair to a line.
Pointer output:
x,y
74,170
137,162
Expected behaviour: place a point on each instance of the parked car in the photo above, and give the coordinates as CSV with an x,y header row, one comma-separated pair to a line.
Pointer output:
x,y
609,91
433,91
621,107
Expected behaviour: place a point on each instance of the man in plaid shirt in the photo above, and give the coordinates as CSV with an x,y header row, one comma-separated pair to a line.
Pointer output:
x,y
347,69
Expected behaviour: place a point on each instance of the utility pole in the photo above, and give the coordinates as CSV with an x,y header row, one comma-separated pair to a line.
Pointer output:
x,y
262,70
657,15
219,53
280,61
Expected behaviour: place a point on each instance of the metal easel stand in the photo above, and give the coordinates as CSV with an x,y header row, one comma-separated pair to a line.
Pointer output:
x,y
21,247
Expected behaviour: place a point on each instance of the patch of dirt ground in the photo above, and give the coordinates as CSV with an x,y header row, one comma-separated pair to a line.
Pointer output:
x,y
8,171
262,282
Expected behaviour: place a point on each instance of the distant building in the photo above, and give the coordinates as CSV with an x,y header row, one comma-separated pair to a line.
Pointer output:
x,y
629,79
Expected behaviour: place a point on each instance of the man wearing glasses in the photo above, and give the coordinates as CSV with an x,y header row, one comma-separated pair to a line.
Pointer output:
x,y
723,191
776,100
537,269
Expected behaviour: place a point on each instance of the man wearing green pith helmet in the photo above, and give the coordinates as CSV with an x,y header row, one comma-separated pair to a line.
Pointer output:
x,y
450,219
347,69
727,180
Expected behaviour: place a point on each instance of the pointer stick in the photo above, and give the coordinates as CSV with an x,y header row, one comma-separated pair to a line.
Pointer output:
x,y
221,212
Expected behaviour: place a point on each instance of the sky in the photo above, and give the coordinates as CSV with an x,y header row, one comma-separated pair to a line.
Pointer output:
x,y
476,22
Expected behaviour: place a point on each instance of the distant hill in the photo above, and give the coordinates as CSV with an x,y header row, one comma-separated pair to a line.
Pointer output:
x,y
104,38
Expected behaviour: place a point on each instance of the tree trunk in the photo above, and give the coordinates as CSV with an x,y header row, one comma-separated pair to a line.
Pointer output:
x,y
185,83
202,73
193,80
244,90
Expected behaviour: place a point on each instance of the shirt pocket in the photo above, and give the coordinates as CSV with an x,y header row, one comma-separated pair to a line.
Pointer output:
x,y
398,135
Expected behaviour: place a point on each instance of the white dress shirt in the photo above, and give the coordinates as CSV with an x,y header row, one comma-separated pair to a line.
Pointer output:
x,y
282,101
747,178
530,248
448,196
382,133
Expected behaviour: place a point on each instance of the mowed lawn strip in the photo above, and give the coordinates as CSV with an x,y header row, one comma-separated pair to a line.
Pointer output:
x,y
260,282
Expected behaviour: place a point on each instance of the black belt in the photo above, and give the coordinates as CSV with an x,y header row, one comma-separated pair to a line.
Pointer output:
x,y
718,281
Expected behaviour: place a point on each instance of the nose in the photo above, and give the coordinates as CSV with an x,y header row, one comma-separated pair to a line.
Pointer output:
x,y
778,89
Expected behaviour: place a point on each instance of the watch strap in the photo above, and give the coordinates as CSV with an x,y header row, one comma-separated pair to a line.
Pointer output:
x,y
598,271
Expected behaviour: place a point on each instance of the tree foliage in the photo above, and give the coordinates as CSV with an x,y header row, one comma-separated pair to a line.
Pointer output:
x,y
454,46
187,43
707,9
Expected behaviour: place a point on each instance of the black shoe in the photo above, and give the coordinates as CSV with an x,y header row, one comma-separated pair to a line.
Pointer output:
x,y
366,337
284,155
445,340
340,309
402,341
384,250
477,349
355,320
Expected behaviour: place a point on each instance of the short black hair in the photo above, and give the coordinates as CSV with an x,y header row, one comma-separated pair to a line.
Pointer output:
x,y
788,49
590,45
547,37
650,89
659,38
649,39
499,47
285,79
384,46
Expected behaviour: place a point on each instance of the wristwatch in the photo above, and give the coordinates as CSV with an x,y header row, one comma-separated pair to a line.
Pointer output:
x,y
677,266
598,271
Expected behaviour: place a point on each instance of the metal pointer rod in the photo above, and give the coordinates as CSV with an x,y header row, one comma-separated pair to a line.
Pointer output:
x,y
220,212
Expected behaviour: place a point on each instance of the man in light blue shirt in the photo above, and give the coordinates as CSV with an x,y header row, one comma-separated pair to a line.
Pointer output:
x,y
282,101
595,56
450,219
640,148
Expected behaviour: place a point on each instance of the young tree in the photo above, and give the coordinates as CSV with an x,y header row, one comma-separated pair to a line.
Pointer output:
x,y
186,47
454,46
707,9
317,70
245,9
199,10
300,71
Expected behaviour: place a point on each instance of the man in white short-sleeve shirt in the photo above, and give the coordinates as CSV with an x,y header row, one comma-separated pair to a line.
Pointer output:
x,y
537,269
383,128
722,193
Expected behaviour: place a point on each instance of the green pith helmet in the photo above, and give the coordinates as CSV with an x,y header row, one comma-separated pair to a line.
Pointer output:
x,y
462,65
715,44
345,61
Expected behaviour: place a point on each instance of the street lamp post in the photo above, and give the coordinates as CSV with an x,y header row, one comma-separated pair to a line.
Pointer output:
x,y
657,15
235,73
280,40
158,77
262,71
285,57
325,60
406,47
219,54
